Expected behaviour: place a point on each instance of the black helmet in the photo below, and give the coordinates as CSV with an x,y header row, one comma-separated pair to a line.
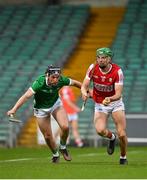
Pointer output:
x,y
53,70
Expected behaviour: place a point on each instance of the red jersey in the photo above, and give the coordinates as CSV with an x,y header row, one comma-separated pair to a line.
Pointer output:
x,y
67,94
104,83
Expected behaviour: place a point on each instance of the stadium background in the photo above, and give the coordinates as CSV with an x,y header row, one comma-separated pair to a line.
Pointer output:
x,y
36,33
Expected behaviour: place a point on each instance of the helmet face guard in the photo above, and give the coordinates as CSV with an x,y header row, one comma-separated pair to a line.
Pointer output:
x,y
53,70
105,52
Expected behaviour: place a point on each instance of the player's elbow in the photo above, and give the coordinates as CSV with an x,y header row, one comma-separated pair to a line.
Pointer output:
x,y
26,96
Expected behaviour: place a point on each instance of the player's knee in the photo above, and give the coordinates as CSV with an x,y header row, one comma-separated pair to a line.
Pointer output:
x,y
65,128
121,134
47,136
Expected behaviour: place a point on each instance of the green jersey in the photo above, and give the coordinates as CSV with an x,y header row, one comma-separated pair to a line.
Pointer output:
x,y
45,96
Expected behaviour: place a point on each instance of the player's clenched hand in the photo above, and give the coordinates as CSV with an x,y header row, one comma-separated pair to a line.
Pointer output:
x,y
10,112
106,101
84,96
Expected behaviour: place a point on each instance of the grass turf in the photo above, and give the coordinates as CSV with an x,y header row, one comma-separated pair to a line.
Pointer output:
x,y
87,163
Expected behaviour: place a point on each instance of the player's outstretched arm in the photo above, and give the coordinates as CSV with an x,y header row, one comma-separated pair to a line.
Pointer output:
x,y
20,102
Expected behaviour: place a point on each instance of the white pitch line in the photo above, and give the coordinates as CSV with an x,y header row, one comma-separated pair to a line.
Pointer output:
x,y
30,159
91,154
102,153
83,155
16,160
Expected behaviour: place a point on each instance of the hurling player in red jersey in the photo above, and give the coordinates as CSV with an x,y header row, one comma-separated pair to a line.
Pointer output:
x,y
107,81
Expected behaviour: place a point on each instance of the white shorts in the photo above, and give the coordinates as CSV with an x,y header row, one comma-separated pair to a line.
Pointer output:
x,y
41,113
112,107
73,117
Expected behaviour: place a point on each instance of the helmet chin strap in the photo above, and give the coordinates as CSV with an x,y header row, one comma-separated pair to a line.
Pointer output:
x,y
46,79
47,76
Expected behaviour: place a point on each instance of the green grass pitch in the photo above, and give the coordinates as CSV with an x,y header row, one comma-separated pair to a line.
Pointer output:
x,y
87,163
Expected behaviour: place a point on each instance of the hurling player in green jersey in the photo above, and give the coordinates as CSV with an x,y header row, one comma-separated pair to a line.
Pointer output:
x,y
45,90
